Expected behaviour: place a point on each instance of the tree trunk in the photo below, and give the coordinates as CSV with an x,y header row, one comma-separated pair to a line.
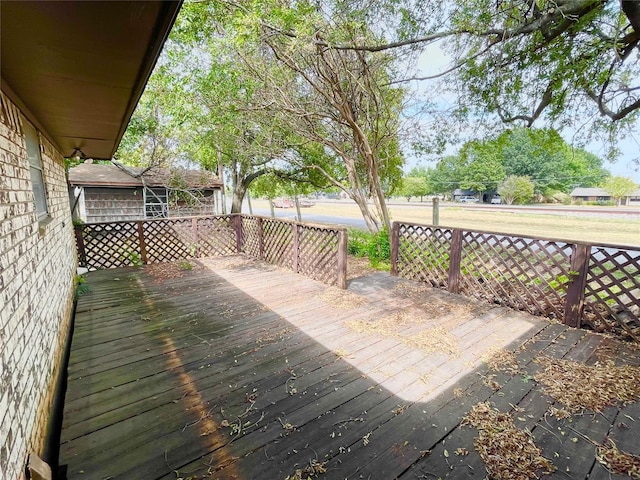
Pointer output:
x,y
369,219
249,203
299,219
238,197
221,177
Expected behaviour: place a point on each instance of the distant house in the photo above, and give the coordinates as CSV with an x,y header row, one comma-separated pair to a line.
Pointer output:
x,y
600,195
106,192
482,197
459,192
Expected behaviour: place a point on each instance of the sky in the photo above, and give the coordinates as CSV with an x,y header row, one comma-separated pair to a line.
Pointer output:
x,y
434,60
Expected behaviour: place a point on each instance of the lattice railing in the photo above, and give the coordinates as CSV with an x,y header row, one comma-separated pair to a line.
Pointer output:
x,y
216,236
424,254
522,273
575,283
108,245
318,252
278,243
315,251
612,289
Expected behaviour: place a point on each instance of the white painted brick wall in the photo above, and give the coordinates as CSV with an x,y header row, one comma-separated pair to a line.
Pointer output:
x,y
37,268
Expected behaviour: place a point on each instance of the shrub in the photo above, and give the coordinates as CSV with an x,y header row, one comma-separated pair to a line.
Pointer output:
x,y
375,246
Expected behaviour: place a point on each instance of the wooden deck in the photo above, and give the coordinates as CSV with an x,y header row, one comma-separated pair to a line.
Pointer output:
x,y
238,370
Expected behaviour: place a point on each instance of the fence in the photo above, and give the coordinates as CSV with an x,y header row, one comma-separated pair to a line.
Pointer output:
x,y
315,251
576,283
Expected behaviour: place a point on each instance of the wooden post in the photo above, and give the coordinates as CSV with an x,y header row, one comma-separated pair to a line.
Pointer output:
x,y
141,242
342,259
82,256
455,255
260,238
298,212
574,301
296,247
194,231
436,211
237,220
395,246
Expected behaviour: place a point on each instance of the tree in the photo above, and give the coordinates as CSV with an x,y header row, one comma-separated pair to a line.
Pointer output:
x,y
151,136
564,60
514,189
544,157
619,187
342,100
482,169
446,175
414,187
261,96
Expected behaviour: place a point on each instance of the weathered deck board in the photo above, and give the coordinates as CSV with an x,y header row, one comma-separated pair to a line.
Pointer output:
x,y
239,370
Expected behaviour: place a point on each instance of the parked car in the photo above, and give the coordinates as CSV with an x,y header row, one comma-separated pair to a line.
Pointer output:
x,y
282,203
496,200
304,203
467,199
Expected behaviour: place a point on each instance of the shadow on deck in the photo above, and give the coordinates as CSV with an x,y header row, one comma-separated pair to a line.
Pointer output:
x,y
238,370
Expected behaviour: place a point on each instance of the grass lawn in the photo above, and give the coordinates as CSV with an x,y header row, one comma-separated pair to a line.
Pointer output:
x,y
569,226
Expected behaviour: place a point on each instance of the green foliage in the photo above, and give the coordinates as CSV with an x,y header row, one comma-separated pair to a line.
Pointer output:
x,y
567,66
567,63
541,155
81,286
374,246
514,189
481,169
244,85
619,187
185,265
357,243
414,187
134,259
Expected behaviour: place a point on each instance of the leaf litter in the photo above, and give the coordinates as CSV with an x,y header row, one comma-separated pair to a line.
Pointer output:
x,y
617,462
508,452
593,387
431,340
342,298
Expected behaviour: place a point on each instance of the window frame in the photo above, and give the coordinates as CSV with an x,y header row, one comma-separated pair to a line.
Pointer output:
x,y
36,169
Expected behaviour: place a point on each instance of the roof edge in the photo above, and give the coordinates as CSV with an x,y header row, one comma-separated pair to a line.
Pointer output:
x,y
161,31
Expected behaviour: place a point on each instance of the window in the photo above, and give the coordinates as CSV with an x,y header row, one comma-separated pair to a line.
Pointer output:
x,y
156,203
35,164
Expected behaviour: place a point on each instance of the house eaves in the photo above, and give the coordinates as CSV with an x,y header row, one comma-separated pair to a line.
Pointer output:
x,y
78,68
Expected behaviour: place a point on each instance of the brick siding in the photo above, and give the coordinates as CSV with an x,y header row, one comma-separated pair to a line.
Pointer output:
x,y
37,268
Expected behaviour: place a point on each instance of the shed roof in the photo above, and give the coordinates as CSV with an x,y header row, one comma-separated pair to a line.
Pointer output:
x,y
109,175
78,68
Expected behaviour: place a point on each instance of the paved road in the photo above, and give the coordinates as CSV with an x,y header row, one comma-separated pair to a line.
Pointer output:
x,y
308,215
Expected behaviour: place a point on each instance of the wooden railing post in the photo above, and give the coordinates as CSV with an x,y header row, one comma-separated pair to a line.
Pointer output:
x,y
574,301
296,247
395,246
237,219
260,238
342,259
196,240
455,255
82,256
141,242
